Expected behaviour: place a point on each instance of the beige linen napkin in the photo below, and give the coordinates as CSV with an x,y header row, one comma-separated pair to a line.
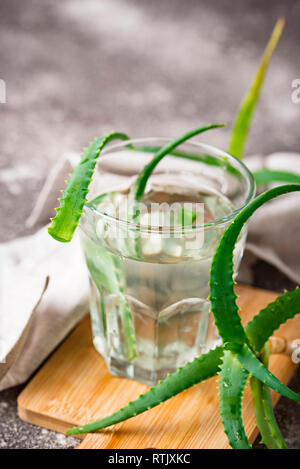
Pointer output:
x,y
44,284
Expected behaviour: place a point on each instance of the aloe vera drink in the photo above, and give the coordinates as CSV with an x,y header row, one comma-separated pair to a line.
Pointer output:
x,y
158,276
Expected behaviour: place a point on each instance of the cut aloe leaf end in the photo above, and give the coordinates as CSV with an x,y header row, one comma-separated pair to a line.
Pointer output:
x,y
68,214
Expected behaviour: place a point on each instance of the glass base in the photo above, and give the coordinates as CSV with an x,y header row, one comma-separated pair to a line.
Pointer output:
x,y
123,369
151,366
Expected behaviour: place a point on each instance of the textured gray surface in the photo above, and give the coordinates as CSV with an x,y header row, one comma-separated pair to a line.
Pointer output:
x,y
77,69
14,433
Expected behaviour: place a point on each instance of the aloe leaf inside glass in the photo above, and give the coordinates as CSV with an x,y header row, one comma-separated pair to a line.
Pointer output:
x,y
139,187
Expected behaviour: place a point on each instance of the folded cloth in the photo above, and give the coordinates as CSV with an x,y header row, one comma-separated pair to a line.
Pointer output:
x,y
273,231
44,284
44,294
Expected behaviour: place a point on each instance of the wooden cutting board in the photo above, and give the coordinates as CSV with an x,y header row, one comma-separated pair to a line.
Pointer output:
x,y
74,387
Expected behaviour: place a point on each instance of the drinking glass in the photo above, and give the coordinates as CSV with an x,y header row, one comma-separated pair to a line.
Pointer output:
x,y
149,274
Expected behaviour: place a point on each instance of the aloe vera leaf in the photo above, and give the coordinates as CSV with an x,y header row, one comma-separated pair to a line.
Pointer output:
x,y
270,318
268,408
98,199
200,369
125,313
67,218
261,421
186,217
102,268
242,122
222,296
263,408
214,358
138,189
74,196
107,273
202,158
258,331
251,363
141,182
103,312
232,382
95,276
264,177
111,275
155,397
182,154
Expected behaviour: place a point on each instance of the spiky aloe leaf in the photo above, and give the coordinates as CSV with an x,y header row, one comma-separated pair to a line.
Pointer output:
x,y
250,362
107,273
200,369
162,391
74,196
258,331
241,125
222,295
213,361
263,177
270,318
264,413
140,184
221,283
233,378
67,218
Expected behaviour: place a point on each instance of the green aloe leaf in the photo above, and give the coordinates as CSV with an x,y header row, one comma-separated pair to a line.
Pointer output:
x,y
200,369
106,272
242,122
258,331
141,182
138,189
250,362
263,177
270,318
206,365
232,382
222,296
74,196
263,408
191,374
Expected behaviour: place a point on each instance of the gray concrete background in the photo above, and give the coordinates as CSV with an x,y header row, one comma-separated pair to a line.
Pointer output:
x,y
75,69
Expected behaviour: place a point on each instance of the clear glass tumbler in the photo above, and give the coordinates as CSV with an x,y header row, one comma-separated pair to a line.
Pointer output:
x,y
149,278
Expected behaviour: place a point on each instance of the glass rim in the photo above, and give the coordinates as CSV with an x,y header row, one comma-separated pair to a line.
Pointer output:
x,y
218,154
